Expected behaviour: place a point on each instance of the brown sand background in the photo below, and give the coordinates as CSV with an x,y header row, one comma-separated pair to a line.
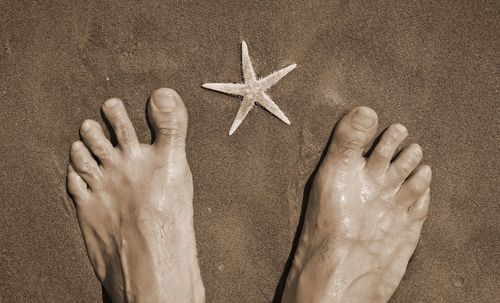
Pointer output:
x,y
431,65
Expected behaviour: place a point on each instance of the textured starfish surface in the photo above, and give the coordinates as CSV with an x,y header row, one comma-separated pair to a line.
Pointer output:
x,y
253,90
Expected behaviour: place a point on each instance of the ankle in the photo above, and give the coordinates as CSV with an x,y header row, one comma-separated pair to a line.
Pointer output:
x,y
163,270
176,283
343,274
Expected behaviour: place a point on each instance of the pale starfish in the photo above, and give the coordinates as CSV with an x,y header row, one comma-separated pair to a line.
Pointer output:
x,y
252,90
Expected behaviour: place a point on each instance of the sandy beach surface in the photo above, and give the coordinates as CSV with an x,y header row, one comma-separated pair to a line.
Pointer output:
x,y
430,65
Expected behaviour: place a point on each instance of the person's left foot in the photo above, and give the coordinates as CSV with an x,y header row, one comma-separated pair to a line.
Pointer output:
x,y
134,204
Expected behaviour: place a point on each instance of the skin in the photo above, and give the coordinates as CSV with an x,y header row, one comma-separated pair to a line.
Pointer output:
x,y
134,204
134,207
364,216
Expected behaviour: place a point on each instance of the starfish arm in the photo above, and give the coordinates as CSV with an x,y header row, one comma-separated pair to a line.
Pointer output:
x,y
227,88
273,78
245,107
268,104
248,72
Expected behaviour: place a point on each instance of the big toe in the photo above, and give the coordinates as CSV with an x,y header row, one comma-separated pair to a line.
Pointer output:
x,y
351,137
169,119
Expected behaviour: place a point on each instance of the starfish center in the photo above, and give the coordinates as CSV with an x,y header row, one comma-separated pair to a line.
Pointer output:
x,y
253,89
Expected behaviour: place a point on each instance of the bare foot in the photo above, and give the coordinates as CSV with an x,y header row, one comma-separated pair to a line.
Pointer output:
x,y
134,204
364,216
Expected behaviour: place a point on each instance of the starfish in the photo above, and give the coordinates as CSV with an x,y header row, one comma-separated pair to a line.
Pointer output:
x,y
253,90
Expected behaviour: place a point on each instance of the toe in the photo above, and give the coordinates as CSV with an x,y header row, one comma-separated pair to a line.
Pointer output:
x,y
352,135
413,188
378,162
404,164
115,112
76,185
169,119
419,209
84,164
94,139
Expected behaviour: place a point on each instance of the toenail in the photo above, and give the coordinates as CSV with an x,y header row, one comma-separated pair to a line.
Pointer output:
x,y
86,125
165,101
426,169
76,145
401,129
417,149
111,102
363,118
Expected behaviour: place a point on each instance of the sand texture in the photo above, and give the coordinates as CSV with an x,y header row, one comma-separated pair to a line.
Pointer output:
x,y
430,65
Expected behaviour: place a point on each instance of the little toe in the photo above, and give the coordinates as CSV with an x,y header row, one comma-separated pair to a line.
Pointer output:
x,y
420,208
414,187
115,112
404,165
94,139
84,164
169,119
76,186
351,137
380,159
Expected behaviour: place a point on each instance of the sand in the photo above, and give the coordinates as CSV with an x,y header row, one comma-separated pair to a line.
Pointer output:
x,y
431,65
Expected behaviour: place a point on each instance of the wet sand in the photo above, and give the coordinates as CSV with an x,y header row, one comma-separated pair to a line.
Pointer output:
x,y
432,66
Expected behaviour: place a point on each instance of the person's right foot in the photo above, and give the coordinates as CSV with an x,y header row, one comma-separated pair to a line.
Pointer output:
x,y
364,216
